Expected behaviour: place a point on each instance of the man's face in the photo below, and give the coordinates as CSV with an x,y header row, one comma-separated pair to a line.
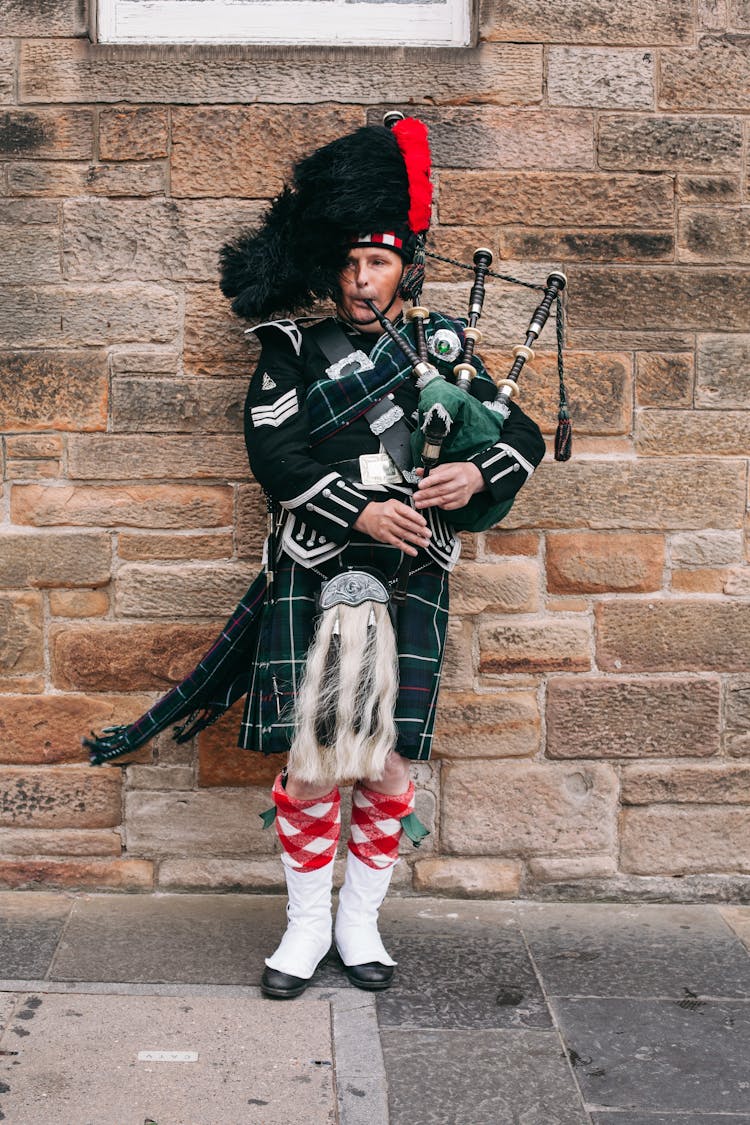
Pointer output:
x,y
374,272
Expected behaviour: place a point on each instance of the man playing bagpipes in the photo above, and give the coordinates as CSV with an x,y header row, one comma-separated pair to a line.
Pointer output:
x,y
338,644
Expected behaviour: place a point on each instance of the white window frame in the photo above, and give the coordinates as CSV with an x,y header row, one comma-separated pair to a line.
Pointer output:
x,y
296,22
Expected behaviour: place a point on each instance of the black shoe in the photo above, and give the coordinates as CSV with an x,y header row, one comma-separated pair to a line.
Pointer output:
x,y
373,976
282,986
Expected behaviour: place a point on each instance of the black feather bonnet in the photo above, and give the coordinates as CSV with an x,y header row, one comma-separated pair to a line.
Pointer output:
x,y
375,179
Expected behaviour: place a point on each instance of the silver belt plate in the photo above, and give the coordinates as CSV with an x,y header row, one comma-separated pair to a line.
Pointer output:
x,y
378,468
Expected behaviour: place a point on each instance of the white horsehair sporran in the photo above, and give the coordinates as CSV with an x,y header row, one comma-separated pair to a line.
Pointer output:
x,y
344,713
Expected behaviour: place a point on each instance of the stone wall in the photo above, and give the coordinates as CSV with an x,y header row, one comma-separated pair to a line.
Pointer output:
x,y
593,734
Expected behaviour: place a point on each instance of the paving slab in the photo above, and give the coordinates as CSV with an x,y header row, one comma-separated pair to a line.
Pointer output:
x,y
480,1078
168,1060
463,982
454,917
669,1118
614,950
687,1056
30,928
183,938
738,917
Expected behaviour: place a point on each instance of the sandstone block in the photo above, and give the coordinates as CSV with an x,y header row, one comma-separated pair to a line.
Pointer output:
x,y
646,341
600,387
587,245
610,22
59,797
37,178
508,587
49,728
55,559
487,725
7,71
712,13
737,711
47,134
607,79
595,562
133,133
188,590
251,525
63,17
152,456
468,878
27,470
68,71
739,14
33,446
458,663
645,494
57,841
77,874
664,380
706,234
704,581
660,297
158,239
498,541
723,372
488,137
35,240
669,143
679,636
524,809
215,340
674,840
150,547
87,316
153,405
564,199
617,717
78,603
714,75
146,505
21,628
160,777
719,433
222,763
738,582
248,149
113,657
53,390
217,823
542,645
153,360
705,548
221,875
555,869
708,189
705,784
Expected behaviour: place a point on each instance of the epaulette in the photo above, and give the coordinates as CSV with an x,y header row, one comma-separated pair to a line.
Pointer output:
x,y
289,327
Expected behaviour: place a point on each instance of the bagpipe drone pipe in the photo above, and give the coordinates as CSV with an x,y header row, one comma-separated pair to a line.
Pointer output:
x,y
453,425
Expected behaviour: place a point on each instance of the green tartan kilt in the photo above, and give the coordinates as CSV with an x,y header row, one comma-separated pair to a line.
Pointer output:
x,y
287,629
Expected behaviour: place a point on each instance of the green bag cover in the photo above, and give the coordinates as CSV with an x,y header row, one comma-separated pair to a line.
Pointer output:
x,y
473,428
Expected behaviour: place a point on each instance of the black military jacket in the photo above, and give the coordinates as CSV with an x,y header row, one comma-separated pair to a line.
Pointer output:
x,y
323,501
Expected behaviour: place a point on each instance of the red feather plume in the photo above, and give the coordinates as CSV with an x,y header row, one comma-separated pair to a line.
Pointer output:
x,y
415,149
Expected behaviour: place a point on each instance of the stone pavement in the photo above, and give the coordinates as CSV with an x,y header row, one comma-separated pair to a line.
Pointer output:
x,y
144,1010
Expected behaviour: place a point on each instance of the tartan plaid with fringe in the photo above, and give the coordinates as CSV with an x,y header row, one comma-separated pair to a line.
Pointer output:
x,y
287,630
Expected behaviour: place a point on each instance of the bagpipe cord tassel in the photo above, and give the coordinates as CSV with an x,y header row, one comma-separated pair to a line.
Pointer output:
x,y
344,725
564,433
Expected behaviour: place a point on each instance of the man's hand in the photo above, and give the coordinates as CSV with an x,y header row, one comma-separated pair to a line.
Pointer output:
x,y
394,523
448,486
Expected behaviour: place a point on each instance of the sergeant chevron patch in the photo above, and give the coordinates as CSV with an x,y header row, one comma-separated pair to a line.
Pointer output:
x,y
277,412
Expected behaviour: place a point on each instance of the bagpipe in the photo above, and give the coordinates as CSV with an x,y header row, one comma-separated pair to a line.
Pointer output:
x,y
453,425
